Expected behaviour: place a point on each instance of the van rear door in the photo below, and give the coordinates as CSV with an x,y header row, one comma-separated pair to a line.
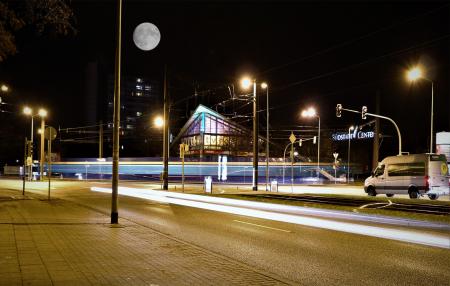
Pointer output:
x,y
438,172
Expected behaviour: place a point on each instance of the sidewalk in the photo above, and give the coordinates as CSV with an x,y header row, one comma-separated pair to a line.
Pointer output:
x,y
61,243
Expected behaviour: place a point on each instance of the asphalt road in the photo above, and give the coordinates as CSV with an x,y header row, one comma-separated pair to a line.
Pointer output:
x,y
305,255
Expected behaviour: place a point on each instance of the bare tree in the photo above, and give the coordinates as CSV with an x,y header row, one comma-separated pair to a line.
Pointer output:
x,y
44,16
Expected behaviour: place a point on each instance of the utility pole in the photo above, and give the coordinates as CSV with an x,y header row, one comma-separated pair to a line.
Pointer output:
x,y
376,139
166,134
100,140
116,118
255,137
24,165
41,162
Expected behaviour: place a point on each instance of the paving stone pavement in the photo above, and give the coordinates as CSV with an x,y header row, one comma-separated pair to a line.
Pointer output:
x,y
60,243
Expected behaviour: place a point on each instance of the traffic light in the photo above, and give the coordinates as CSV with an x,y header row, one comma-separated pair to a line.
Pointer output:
x,y
338,110
364,111
314,139
300,142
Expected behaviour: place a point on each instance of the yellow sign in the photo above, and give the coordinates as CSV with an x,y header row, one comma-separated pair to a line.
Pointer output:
x,y
444,169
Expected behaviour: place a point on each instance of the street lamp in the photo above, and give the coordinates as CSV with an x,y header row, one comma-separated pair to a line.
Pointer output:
x,y
158,122
266,87
246,83
4,88
416,74
308,113
351,128
42,113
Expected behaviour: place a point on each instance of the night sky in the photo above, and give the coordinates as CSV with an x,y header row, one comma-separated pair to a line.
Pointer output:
x,y
316,54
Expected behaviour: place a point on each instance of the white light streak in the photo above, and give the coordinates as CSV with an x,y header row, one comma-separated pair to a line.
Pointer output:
x,y
214,204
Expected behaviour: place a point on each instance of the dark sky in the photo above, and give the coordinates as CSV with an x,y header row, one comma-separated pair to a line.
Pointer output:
x,y
311,53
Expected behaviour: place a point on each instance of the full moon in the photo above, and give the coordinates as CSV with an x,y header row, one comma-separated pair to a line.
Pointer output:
x,y
146,36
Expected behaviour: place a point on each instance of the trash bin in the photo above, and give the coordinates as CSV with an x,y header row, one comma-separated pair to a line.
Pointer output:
x,y
208,184
274,186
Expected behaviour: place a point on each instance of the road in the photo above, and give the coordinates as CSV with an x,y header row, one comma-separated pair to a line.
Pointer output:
x,y
304,254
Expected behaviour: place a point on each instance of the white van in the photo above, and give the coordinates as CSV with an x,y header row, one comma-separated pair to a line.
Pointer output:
x,y
415,174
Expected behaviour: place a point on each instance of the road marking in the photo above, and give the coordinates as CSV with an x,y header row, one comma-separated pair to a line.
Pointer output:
x,y
254,224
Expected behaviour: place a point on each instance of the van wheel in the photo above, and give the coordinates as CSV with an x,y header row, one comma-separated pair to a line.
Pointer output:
x,y
433,196
371,191
389,195
413,193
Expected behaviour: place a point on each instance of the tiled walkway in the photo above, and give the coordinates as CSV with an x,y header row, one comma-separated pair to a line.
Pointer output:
x,y
61,243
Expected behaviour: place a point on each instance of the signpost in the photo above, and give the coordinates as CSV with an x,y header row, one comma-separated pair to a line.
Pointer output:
x,y
335,155
183,149
292,138
50,135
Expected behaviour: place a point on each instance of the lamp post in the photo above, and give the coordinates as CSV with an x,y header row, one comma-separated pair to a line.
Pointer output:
x,y
246,82
311,112
266,87
28,111
413,75
42,113
351,128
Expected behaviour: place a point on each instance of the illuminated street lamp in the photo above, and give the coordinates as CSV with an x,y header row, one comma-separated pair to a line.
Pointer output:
x,y
4,88
42,113
416,74
158,121
266,87
308,113
351,128
246,83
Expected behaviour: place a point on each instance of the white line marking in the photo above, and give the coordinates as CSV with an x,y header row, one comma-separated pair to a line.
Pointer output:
x,y
254,224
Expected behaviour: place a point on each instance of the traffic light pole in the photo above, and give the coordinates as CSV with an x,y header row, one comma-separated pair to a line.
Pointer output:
x,y
339,107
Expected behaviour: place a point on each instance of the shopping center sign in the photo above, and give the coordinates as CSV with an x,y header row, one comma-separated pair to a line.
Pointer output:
x,y
341,136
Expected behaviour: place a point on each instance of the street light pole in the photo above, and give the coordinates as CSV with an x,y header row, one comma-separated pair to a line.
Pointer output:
x,y
318,150
267,135
348,154
116,129
255,137
414,74
30,168
432,115
165,174
41,162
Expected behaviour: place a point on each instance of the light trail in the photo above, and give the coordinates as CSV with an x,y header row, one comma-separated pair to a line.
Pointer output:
x,y
214,204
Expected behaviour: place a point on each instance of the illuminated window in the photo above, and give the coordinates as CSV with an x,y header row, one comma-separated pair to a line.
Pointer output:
x,y
138,80
147,87
138,113
139,87
138,93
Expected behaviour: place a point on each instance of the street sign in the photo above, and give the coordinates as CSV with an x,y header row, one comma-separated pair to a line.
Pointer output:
x,y
335,155
29,161
50,133
292,138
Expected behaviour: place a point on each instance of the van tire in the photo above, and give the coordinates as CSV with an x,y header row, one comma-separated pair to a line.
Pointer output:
x,y
413,193
389,195
371,191
433,196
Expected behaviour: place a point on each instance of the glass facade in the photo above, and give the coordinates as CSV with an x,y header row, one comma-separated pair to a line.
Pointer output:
x,y
209,133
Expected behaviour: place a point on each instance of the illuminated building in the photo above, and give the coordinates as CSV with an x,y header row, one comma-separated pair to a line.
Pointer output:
x,y
209,133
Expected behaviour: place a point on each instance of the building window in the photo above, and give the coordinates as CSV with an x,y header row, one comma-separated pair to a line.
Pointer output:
x,y
147,87
138,93
138,113
139,87
138,80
